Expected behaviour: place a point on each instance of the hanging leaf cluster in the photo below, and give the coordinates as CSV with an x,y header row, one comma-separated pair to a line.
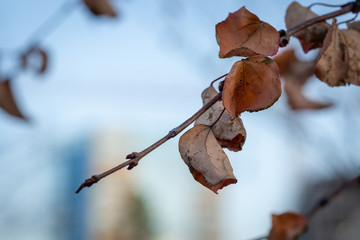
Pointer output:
x,y
253,84
339,61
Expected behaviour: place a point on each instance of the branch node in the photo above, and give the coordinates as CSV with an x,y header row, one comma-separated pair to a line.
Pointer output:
x,y
132,165
172,133
284,38
356,7
131,155
221,86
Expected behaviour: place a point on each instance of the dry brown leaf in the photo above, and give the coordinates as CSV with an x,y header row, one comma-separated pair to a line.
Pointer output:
x,y
284,60
353,52
287,226
243,34
205,158
354,26
7,101
332,64
252,84
312,37
100,7
228,130
295,74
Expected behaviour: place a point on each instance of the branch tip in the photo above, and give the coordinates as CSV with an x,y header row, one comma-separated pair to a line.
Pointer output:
x,y
88,182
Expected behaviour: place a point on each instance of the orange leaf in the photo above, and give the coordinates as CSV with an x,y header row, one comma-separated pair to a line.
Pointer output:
x,y
252,84
296,73
205,158
284,60
228,130
100,7
243,34
7,101
312,37
287,226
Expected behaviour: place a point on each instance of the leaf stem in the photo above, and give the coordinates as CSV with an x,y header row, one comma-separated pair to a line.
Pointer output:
x,y
135,157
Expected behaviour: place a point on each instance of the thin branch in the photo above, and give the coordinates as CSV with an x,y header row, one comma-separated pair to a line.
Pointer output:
x,y
285,36
135,157
326,5
324,201
350,20
53,21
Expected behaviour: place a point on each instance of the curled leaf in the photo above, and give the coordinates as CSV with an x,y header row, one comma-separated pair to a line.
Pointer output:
x,y
205,158
243,34
287,226
339,60
228,130
36,58
311,37
353,53
332,64
100,7
252,84
295,74
7,101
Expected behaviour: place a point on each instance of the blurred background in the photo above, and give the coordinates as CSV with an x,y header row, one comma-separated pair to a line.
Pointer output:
x,y
116,85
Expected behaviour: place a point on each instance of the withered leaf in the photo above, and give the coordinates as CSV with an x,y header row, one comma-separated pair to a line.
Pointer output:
x,y
100,7
312,37
243,34
284,60
7,101
332,64
296,73
287,226
205,158
338,63
354,26
36,58
228,130
252,84
353,52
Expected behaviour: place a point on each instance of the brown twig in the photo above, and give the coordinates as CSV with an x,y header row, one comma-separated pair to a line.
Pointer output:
x,y
324,201
135,157
346,8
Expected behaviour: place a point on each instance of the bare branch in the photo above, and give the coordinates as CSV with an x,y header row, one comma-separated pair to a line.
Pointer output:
x,y
325,200
135,157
